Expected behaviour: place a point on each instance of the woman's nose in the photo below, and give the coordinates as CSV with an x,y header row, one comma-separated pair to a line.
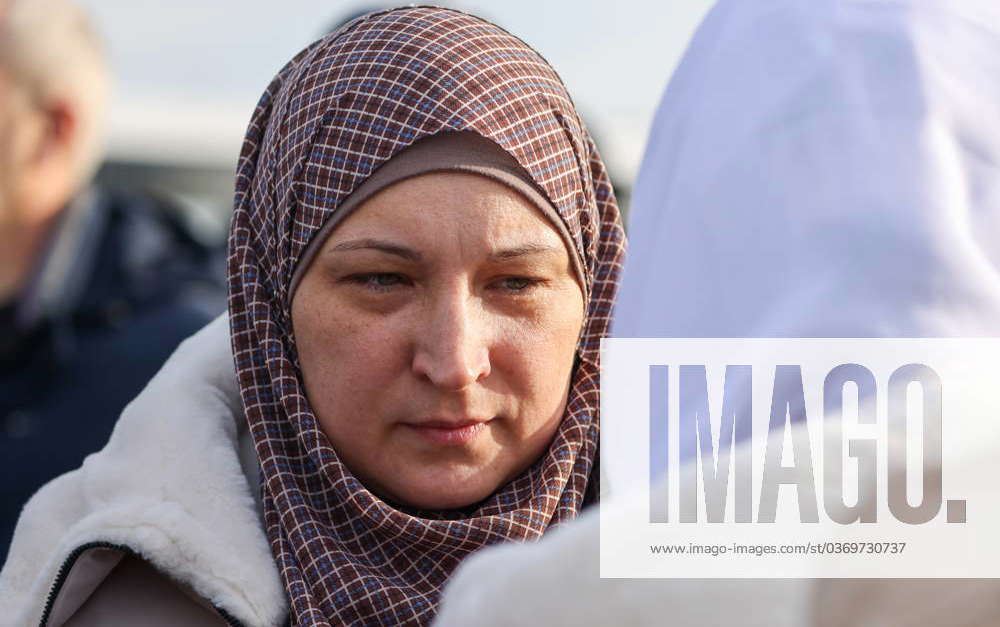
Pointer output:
x,y
452,350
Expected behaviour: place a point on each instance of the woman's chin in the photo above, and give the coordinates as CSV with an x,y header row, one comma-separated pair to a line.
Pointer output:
x,y
443,493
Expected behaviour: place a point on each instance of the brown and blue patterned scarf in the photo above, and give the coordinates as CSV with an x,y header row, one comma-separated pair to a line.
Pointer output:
x,y
334,114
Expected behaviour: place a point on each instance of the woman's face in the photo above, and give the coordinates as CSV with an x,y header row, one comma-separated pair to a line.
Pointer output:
x,y
436,332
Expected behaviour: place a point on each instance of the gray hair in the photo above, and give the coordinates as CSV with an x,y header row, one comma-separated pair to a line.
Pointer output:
x,y
49,49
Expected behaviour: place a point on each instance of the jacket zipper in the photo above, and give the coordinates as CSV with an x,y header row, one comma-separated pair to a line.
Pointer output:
x,y
67,565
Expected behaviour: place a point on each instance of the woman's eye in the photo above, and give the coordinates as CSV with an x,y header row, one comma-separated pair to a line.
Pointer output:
x,y
379,281
517,284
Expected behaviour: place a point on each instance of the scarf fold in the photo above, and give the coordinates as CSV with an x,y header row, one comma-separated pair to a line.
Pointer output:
x,y
334,114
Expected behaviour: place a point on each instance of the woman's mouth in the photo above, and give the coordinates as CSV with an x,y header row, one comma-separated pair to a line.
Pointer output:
x,y
448,433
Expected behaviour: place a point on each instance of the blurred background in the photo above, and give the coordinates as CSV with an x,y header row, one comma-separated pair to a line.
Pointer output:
x,y
188,73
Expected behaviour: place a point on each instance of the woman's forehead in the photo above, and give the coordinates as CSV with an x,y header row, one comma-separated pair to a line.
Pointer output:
x,y
431,208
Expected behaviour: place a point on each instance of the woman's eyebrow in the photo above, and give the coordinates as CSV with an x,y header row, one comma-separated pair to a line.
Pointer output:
x,y
409,254
522,250
379,245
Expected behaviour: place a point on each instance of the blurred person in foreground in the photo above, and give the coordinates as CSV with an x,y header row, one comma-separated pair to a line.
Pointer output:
x,y
816,169
96,287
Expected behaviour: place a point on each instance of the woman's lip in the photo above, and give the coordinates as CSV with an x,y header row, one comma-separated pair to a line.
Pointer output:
x,y
441,432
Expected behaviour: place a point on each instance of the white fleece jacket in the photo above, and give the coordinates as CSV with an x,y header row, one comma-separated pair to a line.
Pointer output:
x,y
176,483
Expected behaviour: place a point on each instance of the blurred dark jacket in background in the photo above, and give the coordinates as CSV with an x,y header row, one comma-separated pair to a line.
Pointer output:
x,y
121,282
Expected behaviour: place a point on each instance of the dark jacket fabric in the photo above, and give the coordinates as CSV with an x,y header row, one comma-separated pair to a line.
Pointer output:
x,y
120,283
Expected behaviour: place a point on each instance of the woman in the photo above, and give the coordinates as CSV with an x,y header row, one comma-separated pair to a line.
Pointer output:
x,y
423,257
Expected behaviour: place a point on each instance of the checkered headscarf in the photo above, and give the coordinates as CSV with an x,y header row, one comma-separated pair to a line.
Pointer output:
x,y
334,114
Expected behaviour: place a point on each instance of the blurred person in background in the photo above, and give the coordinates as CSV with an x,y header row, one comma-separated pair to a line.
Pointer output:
x,y
815,169
96,287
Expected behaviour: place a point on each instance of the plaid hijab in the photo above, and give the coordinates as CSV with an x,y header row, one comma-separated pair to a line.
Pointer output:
x,y
332,116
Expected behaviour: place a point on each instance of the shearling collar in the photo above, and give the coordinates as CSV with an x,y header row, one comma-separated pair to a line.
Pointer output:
x,y
175,483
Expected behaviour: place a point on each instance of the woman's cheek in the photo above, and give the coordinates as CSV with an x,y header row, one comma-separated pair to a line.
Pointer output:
x,y
372,352
340,351
535,362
